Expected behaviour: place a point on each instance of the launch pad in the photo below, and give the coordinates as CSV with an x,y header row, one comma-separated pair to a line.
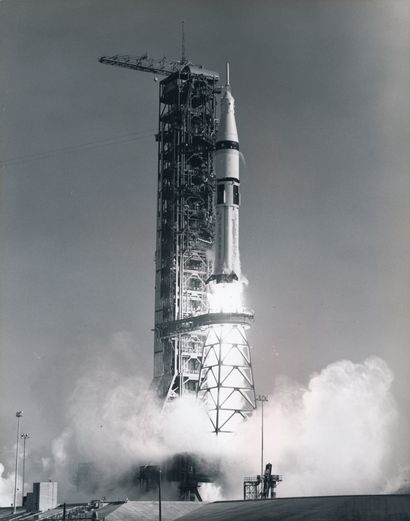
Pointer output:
x,y
183,475
200,344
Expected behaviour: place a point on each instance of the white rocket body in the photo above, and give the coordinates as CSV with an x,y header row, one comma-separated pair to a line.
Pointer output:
x,y
227,263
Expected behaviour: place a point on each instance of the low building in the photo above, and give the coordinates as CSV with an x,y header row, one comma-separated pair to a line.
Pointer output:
x,y
43,497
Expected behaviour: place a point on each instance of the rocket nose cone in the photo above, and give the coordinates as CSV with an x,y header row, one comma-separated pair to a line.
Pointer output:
x,y
227,125
228,101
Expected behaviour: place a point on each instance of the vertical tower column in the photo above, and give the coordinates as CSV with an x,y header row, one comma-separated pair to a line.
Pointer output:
x,y
185,224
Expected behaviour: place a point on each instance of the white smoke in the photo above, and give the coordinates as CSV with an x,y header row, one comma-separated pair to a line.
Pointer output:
x,y
400,482
332,436
6,488
116,423
120,422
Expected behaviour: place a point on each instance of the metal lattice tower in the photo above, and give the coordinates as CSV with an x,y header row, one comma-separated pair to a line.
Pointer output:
x,y
185,215
185,223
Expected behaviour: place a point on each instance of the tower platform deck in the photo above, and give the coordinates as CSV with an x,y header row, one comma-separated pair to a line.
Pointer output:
x,y
198,322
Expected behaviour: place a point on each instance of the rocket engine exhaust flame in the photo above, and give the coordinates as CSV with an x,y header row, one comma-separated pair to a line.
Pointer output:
x,y
225,298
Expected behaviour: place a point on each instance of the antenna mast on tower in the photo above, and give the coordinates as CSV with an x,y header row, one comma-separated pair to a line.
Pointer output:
x,y
183,55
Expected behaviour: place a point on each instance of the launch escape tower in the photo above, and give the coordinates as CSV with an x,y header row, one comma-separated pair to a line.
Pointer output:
x,y
184,240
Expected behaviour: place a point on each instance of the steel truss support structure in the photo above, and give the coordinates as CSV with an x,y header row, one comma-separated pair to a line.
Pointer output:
x,y
185,224
226,380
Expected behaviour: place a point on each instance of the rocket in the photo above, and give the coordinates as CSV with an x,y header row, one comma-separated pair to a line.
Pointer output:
x,y
227,264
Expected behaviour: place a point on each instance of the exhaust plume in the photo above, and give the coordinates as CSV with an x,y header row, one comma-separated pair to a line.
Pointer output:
x,y
332,436
6,488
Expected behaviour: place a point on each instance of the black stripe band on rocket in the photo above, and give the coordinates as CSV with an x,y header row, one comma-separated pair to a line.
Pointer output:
x,y
224,179
221,145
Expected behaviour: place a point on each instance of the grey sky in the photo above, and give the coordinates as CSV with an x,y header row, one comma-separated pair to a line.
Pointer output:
x,y
321,91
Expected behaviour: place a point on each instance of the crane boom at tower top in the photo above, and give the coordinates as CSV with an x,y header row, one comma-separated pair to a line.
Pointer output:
x,y
160,66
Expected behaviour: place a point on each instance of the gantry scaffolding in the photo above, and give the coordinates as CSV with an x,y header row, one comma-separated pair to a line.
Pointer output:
x,y
185,214
185,223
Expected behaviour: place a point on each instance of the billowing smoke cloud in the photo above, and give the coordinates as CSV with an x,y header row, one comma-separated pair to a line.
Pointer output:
x,y
329,437
400,482
6,487
116,423
333,436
